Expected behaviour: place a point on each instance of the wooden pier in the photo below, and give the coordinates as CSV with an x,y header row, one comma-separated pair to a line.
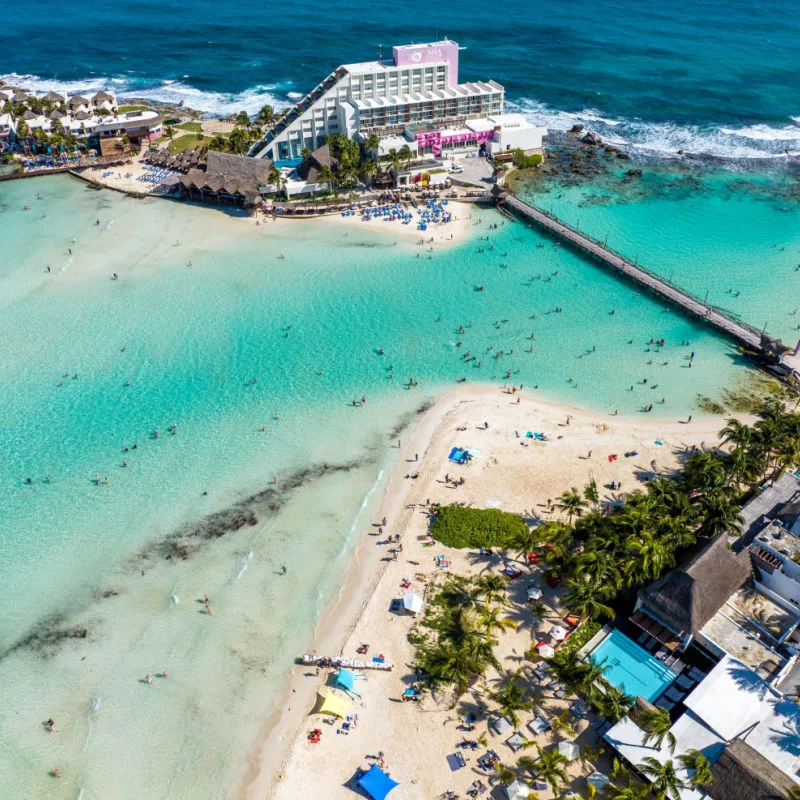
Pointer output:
x,y
746,335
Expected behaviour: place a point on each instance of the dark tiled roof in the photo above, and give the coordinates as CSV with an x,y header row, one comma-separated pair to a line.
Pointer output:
x,y
687,597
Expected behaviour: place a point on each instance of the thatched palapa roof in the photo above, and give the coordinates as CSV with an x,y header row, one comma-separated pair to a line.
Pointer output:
x,y
55,97
743,773
310,167
687,597
229,174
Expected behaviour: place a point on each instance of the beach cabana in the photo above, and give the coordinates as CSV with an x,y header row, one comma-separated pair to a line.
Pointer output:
x,y
502,725
598,780
346,680
570,750
335,704
412,602
376,783
516,741
517,790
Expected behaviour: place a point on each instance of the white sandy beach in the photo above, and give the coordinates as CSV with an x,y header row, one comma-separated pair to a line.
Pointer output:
x,y
513,474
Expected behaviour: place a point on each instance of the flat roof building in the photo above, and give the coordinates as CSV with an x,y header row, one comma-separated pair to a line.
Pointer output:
x,y
391,99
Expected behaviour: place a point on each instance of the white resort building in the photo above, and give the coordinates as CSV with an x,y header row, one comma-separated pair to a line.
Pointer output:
x,y
414,99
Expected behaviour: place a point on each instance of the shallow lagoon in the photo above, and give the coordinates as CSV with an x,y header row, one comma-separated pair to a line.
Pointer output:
x,y
190,340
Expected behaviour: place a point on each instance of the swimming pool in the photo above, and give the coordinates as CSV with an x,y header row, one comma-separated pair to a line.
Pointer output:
x,y
630,667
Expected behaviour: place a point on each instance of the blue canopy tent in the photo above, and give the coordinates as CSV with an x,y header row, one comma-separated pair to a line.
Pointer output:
x,y
376,783
347,681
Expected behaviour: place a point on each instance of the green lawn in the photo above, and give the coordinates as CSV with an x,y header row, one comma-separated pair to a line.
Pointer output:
x,y
186,142
195,127
123,109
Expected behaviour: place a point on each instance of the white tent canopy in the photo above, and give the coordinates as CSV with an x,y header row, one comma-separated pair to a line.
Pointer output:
x,y
517,791
534,593
570,750
412,602
598,780
545,651
502,725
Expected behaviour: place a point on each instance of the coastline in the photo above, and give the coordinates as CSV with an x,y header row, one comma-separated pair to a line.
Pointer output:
x,y
270,765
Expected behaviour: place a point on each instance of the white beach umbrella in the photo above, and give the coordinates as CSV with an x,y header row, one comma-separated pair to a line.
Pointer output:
x,y
412,602
570,750
545,651
534,593
598,780
559,632
517,791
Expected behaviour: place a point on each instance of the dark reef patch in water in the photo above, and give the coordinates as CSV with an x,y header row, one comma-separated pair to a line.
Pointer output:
x,y
184,543
408,418
46,637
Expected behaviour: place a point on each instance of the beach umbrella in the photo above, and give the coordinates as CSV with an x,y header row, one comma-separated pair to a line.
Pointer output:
x,y
346,680
412,602
545,651
598,780
534,593
559,632
570,750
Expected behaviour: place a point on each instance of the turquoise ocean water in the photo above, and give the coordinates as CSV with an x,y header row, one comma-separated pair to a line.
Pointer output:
x,y
204,306
101,582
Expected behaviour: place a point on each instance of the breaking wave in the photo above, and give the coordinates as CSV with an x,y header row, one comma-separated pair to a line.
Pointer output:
x,y
755,141
758,141
165,91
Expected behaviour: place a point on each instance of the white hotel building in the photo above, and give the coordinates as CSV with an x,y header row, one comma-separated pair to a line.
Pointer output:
x,y
415,99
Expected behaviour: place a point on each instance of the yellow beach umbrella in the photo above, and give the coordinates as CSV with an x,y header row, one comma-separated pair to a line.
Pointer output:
x,y
334,704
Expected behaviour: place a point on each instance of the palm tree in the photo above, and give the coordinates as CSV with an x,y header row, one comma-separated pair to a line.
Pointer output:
x,y
277,180
326,176
665,783
305,152
369,169
571,503
218,143
656,724
239,141
654,555
591,493
406,154
583,677
394,161
242,120
794,793
696,764
492,588
719,515
372,144
591,754
170,131
511,696
490,621
740,434
585,598
23,131
614,705
629,790
550,766
266,117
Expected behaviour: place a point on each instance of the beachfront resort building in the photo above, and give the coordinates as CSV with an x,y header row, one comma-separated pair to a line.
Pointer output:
x,y
413,99
715,643
92,118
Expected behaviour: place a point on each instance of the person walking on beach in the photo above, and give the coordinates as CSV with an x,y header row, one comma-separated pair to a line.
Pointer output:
x,y
283,570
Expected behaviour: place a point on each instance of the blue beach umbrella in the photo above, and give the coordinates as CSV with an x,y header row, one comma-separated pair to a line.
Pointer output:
x,y
376,783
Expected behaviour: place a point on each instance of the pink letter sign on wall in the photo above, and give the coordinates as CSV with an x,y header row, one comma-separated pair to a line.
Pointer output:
x,y
410,55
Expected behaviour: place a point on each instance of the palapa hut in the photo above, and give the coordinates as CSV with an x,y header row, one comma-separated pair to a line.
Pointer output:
x,y
55,97
686,598
227,179
745,774
309,169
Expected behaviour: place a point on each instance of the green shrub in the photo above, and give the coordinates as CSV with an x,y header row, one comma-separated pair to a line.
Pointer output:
x,y
521,161
456,526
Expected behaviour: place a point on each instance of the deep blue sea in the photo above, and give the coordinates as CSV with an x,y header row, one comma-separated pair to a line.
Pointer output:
x,y
719,78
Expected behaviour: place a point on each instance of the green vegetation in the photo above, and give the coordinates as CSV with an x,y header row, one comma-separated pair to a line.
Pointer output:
x,y
195,127
456,526
123,109
521,161
187,142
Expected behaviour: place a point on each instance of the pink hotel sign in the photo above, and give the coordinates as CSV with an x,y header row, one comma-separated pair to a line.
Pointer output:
x,y
428,53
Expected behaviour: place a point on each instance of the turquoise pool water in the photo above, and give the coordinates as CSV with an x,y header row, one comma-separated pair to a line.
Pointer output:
x,y
630,667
